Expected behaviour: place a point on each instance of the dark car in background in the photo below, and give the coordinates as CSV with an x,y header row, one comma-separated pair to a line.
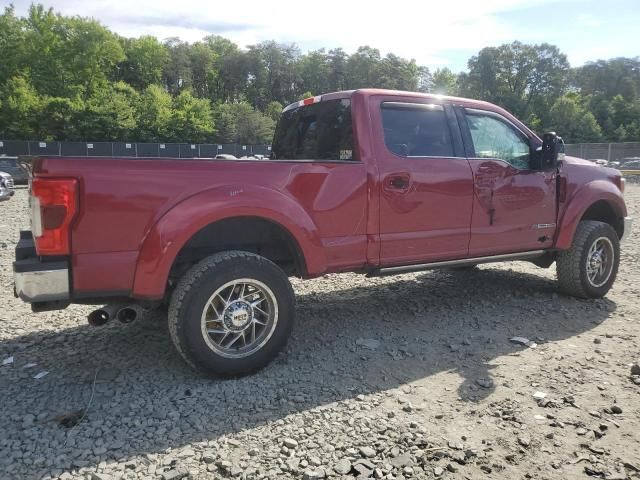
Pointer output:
x,y
12,166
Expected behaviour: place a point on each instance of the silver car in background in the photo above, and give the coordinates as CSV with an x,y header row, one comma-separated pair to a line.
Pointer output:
x,y
14,167
6,186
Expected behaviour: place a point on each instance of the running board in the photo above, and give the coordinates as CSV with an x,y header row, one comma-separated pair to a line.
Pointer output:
x,y
455,263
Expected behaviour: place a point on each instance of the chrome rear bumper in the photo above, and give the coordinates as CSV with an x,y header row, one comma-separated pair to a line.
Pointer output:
x,y
42,285
37,281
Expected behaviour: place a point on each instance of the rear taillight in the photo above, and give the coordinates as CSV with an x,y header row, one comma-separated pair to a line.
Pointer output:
x,y
53,205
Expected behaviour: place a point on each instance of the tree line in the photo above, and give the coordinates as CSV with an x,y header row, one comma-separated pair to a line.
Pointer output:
x,y
71,78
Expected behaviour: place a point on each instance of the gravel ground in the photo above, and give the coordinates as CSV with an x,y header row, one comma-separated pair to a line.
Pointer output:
x,y
411,376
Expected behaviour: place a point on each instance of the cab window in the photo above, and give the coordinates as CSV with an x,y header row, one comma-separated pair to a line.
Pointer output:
x,y
494,138
416,130
320,131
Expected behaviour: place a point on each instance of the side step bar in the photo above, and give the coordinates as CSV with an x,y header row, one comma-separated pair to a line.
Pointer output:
x,y
455,263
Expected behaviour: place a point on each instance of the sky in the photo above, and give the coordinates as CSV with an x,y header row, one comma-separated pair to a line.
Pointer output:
x,y
436,34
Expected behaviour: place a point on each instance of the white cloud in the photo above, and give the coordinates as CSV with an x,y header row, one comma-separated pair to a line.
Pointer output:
x,y
588,20
421,30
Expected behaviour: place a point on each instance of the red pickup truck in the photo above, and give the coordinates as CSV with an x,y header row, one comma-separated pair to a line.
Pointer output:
x,y
372,181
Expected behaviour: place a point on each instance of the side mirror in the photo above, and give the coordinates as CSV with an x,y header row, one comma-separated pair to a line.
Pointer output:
x,y
552,151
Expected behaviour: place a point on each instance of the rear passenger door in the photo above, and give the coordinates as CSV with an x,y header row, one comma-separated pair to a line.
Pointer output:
x,y
424,181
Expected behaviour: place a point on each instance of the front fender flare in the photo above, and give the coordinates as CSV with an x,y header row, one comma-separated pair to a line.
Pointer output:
x,y
173,230
579,203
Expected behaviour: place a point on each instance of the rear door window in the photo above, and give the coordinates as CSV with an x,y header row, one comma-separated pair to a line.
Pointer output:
x,y
320,131
416,130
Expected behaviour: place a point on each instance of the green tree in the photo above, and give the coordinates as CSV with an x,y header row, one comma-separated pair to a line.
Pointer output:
x,y
620,134
109,114
397,73
225,121
573,122
12,45
21,105
273,110
252,126
177,72
363,68
314,70
522,78
203,70
608,78
231,67
272,73
56,118
154,114
146,59
337,60
425,79
91,54
68,77
444,82
191,119
68,56
241,123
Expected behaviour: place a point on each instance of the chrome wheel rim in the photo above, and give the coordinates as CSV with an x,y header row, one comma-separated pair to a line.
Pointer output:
x,y
600,260
239,318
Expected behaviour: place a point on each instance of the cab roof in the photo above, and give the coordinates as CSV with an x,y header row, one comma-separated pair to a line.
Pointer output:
x,y
380,91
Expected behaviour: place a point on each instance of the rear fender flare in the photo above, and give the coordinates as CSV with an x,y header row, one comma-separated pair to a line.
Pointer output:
x,y
173,230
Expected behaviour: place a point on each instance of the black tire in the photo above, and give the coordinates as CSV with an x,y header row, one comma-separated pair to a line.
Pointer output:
x,y
571,265
195,289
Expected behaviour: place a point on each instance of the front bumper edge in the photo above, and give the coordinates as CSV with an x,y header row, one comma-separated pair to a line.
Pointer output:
x,y
628,226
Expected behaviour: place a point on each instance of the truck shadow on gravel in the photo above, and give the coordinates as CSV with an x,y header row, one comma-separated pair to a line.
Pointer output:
x,y
366,339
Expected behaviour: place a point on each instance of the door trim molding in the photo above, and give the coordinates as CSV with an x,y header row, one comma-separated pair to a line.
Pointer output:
x,y
460,262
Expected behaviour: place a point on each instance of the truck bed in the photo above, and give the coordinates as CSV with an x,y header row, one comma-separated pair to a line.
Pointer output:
x,y
121,199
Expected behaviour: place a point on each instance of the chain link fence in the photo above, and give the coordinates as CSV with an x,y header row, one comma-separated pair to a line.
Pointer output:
x,y
612,152
15,148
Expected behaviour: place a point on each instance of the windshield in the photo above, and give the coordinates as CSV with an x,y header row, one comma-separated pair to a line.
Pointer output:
x,y
320,131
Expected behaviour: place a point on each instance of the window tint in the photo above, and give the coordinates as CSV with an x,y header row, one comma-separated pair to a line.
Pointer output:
x,y
493,138
320,131
416,130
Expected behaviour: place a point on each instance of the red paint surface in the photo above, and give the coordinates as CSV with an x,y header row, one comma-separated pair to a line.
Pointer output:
x,y
136,214
510,207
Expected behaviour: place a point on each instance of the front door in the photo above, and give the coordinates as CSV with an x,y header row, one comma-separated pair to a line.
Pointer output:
x,y
425,182
514,207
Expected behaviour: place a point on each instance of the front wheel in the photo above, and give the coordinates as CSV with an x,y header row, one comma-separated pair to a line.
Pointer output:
x,y
588,269
231,313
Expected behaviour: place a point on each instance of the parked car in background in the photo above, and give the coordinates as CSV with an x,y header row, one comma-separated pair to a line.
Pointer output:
x,y
6,186
12,166
601,161
630,165
226,156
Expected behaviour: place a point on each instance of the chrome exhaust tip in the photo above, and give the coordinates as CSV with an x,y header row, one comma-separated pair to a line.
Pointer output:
x,y
129,313
102,315
98,318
